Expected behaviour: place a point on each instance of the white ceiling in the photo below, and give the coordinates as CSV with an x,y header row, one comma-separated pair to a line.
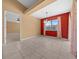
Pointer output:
x,y
55,8
27,3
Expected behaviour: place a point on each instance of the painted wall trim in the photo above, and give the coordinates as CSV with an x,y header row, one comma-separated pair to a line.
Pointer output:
x,y
30,37
5,12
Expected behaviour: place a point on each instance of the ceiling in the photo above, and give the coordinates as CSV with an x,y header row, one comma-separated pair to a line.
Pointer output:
x,y
55,8
27,3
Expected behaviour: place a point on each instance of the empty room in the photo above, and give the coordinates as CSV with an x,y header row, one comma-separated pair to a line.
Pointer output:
x,y
39,29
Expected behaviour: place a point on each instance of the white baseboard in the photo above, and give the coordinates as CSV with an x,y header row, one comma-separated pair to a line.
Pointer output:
x,y
28,38
65,39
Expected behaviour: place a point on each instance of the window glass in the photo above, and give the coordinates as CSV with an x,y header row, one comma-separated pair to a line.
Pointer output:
x,y
48,23
54,22
51,25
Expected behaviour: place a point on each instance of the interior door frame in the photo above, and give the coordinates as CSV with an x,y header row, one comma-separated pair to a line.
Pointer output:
x,y
5,12
5,23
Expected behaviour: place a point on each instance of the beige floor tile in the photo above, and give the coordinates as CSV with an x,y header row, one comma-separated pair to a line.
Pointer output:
x,y
38,48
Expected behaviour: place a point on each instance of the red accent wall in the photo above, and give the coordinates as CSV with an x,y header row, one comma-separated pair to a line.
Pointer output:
x,y
64,25
51,33
42,26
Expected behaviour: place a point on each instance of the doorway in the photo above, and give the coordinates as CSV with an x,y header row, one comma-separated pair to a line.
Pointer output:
x,y
11,27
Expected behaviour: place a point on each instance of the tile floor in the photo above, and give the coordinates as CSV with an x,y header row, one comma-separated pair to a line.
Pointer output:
x,y
12,37
38,48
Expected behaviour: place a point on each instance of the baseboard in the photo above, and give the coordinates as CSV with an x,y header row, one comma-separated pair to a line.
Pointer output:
x,y
42,36
28,38
65,39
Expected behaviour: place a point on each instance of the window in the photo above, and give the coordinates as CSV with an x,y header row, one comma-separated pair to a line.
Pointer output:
x,y
51,25
54,22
